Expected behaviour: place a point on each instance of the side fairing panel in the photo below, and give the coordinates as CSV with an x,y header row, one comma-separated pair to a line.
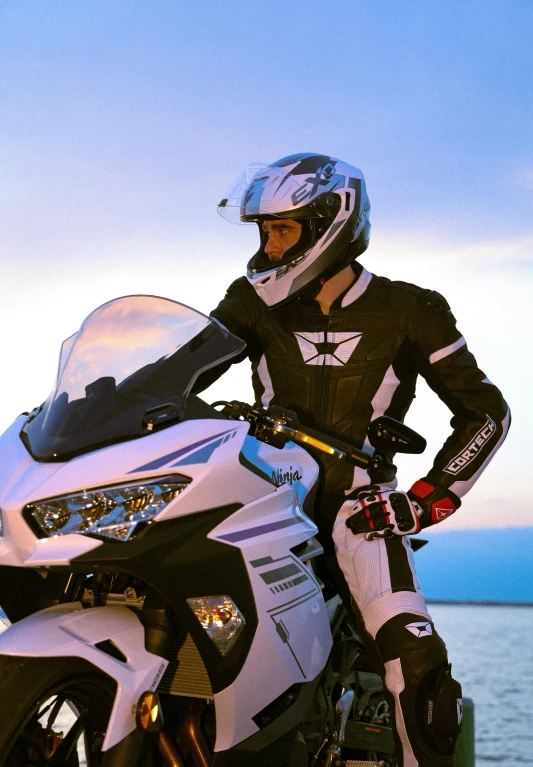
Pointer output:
x,y
292,465
293,639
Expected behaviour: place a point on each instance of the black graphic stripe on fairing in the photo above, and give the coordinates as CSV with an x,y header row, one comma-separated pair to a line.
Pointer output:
x,y
284,635
253,532
266,561
164,459
299,579
280,573
288,584
294,602
401,574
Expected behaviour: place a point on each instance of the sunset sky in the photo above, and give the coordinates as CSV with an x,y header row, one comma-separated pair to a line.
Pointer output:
x,y
124,122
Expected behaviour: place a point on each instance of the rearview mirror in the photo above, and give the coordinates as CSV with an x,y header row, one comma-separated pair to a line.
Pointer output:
x,y
386,433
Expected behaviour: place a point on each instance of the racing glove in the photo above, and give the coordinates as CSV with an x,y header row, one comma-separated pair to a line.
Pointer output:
x,y
381,512
437,502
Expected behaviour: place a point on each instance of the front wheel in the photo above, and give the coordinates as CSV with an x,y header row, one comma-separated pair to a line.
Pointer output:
x,y
52,711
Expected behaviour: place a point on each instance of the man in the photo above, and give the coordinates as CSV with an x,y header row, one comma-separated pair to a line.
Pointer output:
x,y
341,347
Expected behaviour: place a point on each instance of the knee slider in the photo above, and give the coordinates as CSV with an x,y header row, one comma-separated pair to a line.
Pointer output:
x,y
444,710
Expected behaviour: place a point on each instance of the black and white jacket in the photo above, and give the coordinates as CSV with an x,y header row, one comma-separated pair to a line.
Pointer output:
x,y
342,370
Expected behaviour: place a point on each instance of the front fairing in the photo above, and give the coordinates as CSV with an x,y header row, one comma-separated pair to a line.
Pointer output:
x,y
223,535
217,477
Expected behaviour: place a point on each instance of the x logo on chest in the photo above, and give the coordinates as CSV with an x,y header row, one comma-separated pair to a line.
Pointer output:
x,y
327,348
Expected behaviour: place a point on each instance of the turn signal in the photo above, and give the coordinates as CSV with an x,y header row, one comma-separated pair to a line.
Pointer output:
x,y
220,618
148,714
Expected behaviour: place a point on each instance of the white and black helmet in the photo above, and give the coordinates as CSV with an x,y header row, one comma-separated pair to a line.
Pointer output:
x,y
327,196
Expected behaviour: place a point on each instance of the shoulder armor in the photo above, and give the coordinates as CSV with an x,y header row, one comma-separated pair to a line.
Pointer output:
x,y
404,291
409,287
239,285
423,300
435,303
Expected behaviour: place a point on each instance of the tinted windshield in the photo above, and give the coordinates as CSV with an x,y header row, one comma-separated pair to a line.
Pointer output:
x,y
132,356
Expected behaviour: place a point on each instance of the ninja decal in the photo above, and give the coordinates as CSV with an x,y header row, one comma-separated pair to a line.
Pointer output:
x,y
327,348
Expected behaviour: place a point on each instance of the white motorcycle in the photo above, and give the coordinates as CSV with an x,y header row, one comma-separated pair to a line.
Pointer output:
x,y
158,566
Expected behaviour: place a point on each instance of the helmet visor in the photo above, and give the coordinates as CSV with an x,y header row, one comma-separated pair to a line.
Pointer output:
x,y
257,186
264,190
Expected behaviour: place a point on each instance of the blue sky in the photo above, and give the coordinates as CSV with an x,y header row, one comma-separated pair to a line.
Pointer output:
x,y
122,124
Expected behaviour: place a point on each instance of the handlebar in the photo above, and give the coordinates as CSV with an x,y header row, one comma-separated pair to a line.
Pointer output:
x,y
277,426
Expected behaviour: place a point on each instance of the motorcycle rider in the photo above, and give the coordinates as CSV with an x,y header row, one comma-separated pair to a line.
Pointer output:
x,y
340,347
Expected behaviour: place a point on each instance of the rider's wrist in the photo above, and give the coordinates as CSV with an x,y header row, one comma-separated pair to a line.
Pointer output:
x,y
437,502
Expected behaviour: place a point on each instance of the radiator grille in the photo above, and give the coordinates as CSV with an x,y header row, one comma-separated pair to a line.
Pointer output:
x,y
355,763
186,674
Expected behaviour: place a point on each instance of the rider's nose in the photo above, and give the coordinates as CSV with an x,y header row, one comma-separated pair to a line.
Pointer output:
x,y
273,248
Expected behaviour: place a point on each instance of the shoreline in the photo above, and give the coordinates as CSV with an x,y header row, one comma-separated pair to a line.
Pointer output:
x,y
482,603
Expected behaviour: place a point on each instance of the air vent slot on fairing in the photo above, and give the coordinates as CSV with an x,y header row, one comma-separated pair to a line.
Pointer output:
x,y
186,673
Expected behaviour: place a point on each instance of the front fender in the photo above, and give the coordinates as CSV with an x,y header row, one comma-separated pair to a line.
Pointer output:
x,y
69,630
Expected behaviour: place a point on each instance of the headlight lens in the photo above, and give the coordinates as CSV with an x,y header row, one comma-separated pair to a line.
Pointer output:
x,y
112,512
220,618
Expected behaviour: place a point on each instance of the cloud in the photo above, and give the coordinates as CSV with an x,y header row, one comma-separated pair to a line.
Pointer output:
x,y
517,251
497,251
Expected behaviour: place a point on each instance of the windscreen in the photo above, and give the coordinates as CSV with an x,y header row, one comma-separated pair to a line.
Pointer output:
x,y
132,356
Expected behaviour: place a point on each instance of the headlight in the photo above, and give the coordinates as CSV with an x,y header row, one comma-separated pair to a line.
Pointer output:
x,y
113,512
220,618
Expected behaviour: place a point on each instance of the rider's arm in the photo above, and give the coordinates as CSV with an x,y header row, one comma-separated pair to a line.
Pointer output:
x,y
480,414
236,314
238,310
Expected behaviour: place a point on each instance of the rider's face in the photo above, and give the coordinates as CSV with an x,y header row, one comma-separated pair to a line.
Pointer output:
x,y
282,235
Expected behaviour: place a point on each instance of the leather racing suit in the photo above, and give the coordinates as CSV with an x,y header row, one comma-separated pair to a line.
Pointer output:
x,y
338,372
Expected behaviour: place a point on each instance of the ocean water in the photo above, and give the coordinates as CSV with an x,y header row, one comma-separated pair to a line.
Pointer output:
x,y
491,651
